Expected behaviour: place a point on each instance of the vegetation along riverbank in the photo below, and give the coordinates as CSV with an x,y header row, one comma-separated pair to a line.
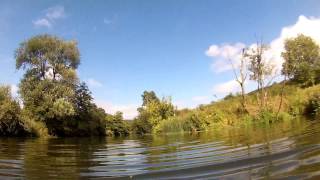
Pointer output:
x,y
55,102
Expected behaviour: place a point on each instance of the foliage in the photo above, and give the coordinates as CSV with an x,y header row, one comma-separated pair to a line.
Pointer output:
x,y
48,101
10,124
229,96
116,126
88,119
35,128
48,55
149,97
152,112
313,106
261,71
170,125
198,120
51,93
302,60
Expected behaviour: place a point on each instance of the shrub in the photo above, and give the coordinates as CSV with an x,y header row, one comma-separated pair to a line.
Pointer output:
x,y
313,106
32,126
116,126
10,124
170,125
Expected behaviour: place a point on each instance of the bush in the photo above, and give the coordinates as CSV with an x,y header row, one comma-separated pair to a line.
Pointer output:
x,y
32,126
116,126
10,124
313,106
170,125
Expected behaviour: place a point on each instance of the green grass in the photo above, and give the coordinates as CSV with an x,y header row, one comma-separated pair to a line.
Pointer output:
x,y
227,112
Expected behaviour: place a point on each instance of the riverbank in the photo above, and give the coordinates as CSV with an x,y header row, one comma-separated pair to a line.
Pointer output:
x,y
297,102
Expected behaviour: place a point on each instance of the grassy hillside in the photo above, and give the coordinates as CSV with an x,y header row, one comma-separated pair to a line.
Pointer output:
x,y
297,101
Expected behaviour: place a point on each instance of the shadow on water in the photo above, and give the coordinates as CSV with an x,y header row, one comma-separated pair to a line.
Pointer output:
x,y
285,150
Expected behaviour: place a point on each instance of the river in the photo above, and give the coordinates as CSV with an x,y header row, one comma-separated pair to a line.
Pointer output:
x,y
284,150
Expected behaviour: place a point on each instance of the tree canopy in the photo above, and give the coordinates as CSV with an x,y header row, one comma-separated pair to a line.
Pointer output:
x,y
48,56
302,60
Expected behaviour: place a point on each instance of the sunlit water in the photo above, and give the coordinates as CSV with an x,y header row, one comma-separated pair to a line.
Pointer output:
x,y
286,150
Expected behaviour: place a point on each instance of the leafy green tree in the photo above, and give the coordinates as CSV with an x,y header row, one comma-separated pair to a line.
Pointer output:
x,y
89,119
48,101
152,112
10,124
116,126
148,97
302,60
260,71
83,98
48,57
48,86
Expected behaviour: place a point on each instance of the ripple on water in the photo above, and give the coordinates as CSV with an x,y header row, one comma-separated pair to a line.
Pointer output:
x,y
287,151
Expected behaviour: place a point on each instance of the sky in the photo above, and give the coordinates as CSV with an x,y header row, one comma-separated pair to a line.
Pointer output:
x,y
177,48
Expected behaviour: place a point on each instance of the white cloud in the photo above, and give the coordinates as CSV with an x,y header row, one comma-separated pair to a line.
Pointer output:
x,y
14,90
193,102
42,23
223,89
51,16
308,26
180,104
129,110
93,83
226,87
304,25
220,54
201,99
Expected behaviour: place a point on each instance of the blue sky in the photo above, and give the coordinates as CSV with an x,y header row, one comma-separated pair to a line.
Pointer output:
x,y
128,46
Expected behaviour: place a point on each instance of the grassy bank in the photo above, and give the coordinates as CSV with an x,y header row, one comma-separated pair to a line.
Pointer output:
x,y
297,101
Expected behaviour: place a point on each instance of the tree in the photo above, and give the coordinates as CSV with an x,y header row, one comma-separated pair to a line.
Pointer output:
x,y
48,56
261,71
83,98
241,77
116,126
10,124
48,86
152,112
88,119
148,97
48,101
301,60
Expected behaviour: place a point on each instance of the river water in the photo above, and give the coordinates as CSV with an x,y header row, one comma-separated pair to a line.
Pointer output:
x,y
288,150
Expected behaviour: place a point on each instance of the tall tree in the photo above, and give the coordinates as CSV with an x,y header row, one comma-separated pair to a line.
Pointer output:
x,y
261,71
302,60
47,88
241,76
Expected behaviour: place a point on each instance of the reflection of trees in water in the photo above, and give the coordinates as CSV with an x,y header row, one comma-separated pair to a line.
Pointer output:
x,y
11,158
63,158
11,148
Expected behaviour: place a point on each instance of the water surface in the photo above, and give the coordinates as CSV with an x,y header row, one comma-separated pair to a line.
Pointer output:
x,y
286,150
